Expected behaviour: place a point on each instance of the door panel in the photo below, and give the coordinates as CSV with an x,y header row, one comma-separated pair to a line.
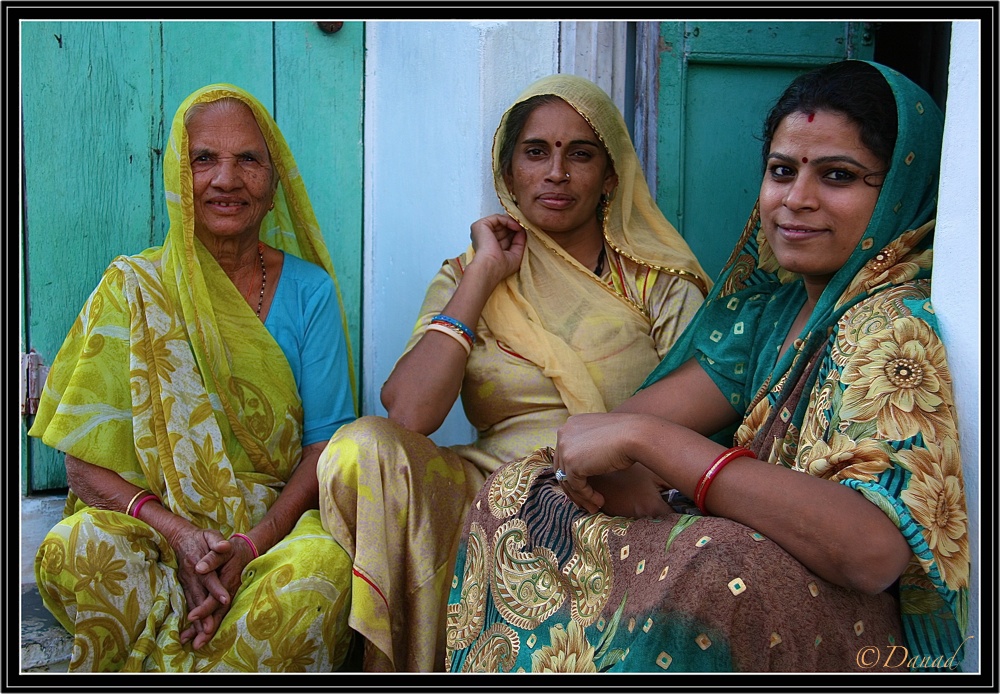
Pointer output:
x,y
88,153
717,81
319,105
93,128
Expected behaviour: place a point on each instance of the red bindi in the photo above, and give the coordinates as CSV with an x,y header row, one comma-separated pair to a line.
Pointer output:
x,y
811,116
805,160
558,143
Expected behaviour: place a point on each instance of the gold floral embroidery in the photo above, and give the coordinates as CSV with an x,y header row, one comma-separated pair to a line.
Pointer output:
x,y
894,264
527,587
509,487
844,458
292,654
899,379
871,316
97,567
935,497
568,651
466,618
589,570
495,651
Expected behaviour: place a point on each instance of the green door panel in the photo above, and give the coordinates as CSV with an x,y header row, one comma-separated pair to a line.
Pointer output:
x,y
319,105
94,125
717,81
88,134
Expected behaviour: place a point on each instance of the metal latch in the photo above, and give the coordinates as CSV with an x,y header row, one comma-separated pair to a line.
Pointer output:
x,y
33,374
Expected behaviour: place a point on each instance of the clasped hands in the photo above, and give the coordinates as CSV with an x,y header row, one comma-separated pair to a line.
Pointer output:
x,y
210,569
594,453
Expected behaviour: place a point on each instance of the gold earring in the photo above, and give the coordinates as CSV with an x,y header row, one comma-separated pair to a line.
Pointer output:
x,y
271,207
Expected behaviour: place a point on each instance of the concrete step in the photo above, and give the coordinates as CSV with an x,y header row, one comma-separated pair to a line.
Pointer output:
x,y
45,645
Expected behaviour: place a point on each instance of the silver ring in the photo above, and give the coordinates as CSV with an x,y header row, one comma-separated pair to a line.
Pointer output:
x,y
560,475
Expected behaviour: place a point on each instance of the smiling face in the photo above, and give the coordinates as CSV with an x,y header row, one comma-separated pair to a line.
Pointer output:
x,y
555,141
234,181
815,202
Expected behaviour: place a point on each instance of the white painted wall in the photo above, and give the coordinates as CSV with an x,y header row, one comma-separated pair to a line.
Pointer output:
x,y
434,94
957,279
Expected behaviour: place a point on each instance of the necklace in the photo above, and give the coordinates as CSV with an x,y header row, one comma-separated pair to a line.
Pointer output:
x,y
263,276
600,262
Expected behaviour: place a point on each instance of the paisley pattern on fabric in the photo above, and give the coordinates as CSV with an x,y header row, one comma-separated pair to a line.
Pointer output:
x,y
862,398
169,379
553,339
574,592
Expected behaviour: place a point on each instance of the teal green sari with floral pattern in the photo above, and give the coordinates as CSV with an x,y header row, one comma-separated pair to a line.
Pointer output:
x,y
863,398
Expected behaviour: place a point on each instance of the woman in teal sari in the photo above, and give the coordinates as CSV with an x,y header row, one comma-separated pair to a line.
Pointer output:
x,y
832,535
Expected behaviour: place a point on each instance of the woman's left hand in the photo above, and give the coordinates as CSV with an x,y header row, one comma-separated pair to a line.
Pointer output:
x,y
588,445
228,558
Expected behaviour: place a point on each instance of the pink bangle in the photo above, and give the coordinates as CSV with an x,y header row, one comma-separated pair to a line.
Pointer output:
x,y
722,461
141,502
253,547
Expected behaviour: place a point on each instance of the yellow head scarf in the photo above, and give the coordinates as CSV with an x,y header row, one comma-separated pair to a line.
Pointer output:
x,y
291,226
168,377
547,310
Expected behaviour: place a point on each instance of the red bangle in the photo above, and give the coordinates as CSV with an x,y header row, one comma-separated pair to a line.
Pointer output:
x,y
141,502
253,547
722,461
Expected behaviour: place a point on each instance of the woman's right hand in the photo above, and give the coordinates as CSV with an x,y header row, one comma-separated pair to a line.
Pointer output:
x,y
499,242
427,379
590,445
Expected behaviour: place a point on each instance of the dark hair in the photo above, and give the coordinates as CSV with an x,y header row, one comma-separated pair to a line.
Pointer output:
x,y
514,124
851,87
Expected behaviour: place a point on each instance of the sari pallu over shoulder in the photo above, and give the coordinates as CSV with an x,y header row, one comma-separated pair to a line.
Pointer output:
x,y
856,397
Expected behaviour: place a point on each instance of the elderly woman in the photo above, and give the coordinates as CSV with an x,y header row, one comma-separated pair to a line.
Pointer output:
x,y
833,535
560,306
192,398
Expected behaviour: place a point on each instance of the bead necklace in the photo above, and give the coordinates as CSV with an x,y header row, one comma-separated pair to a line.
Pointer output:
x,y
263,276
600,262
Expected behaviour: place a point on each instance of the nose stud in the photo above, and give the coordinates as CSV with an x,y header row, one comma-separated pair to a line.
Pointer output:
x,y
567,175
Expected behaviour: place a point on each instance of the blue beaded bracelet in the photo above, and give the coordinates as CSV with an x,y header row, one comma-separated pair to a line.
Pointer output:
x,y
441,318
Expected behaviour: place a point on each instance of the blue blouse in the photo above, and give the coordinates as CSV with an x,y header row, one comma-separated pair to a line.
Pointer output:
x,y
305,321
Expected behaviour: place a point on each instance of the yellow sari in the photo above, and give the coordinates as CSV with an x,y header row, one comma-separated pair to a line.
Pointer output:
x,y
554,339
169,379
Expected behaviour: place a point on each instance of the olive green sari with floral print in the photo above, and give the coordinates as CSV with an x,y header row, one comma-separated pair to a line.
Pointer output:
x,y
169,379
863,398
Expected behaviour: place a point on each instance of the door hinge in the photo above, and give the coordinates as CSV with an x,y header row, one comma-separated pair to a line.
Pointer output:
x,y
33,374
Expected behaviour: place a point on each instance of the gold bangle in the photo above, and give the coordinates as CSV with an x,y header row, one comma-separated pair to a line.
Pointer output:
x,y
450,333
128,509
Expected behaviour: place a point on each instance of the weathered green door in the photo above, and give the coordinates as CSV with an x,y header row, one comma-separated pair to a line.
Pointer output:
x,y
717,81
97,101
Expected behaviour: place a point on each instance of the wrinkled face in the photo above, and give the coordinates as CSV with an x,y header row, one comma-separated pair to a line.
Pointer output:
x,y
555,141
815,203
234,181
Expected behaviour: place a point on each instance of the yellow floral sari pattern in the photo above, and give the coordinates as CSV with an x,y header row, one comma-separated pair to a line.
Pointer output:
x,y
169,379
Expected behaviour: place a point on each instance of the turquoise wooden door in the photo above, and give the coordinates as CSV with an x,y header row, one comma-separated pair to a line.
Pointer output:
x,y
717,80
97,101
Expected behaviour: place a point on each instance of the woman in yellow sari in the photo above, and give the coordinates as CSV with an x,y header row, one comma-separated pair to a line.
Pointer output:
x,y
559,307
192,397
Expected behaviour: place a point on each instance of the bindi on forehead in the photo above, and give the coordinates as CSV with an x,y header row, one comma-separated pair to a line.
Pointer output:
x,y
805,160
558,143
